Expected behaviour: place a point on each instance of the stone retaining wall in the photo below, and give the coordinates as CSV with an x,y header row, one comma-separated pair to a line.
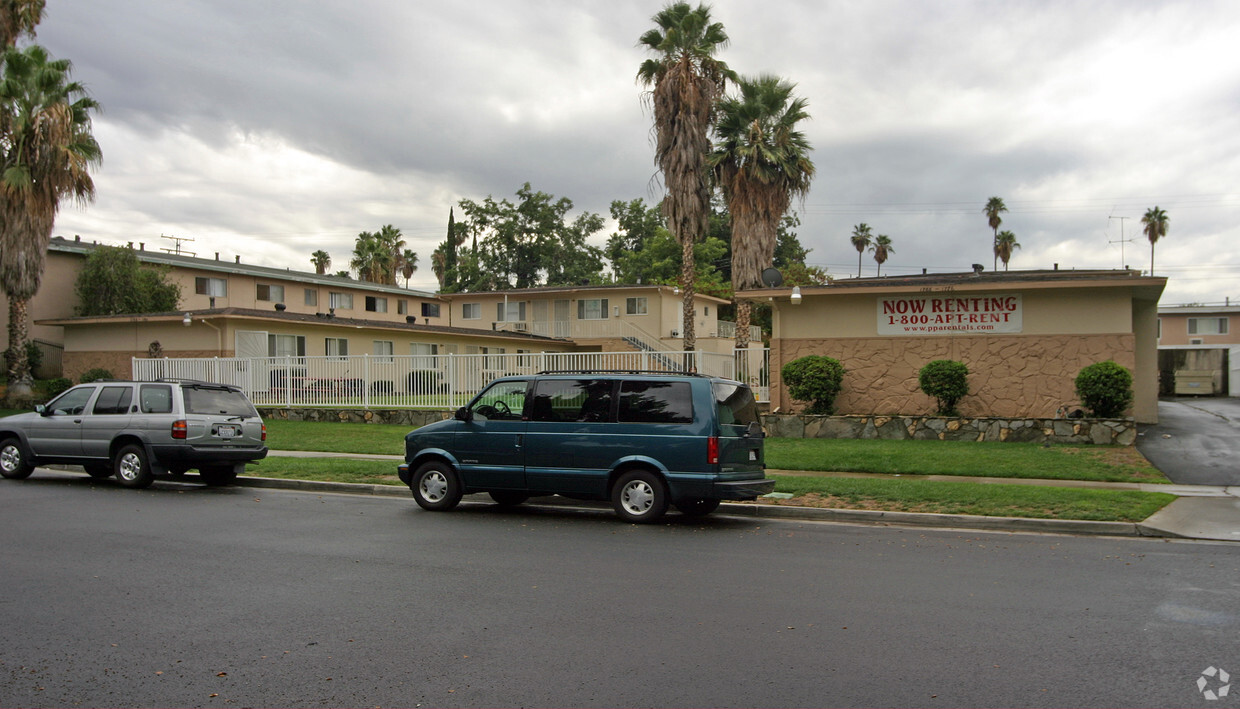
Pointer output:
x,y
413,418
928,428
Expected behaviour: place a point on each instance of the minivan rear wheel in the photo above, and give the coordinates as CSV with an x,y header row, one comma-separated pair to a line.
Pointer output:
x,y
639,496
436,487
697,507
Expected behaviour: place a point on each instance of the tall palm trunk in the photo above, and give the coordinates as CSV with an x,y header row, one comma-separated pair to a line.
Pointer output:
x,y
21,381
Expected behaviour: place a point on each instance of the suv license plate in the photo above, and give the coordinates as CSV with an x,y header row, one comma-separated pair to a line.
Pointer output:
x,y
227,431
753,454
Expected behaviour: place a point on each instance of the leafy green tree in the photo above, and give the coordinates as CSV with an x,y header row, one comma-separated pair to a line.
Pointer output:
x,y
321,260
114,282
637,225
528,243
995,207
881,249
862,238
1156,224
761,161
47,149
445,260
947,381
1005,244
686,80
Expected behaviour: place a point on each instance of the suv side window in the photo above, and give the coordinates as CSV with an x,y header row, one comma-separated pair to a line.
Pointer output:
x,y
113,400
655,402
572,400
155,398
72,402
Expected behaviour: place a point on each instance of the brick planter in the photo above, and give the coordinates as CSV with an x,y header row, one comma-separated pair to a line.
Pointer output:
x,y
938,428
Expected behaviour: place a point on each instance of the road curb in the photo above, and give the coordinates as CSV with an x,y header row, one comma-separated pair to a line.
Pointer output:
x,y
819,514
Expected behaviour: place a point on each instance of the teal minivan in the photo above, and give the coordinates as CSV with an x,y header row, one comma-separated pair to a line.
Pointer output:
x,y
642,440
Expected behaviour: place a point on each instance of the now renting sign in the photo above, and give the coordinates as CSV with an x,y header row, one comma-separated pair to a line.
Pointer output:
x,y
949,314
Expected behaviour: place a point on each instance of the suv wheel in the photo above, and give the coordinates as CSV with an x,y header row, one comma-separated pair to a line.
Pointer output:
x,y
639,496
13,463
218,475
697,506
132,468
436,487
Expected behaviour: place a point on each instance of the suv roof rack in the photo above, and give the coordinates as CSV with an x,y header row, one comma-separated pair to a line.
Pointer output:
x,y
623,371
186,380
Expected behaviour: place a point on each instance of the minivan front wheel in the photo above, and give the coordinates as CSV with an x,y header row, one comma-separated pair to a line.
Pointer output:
x,y
436,487
640,496
132,468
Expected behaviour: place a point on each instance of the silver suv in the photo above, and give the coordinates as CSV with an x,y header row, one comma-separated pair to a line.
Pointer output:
x,y
138,430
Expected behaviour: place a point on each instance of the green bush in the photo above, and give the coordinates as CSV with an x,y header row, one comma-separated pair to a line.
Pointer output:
x,y
53,387
947,381
815,379
1105,389
94,375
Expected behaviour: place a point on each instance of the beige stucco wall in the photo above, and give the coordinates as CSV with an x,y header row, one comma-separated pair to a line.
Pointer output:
x,y
1175,328
55,298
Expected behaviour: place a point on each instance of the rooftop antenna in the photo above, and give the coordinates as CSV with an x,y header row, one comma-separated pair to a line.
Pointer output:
x,y
1121,239
177,249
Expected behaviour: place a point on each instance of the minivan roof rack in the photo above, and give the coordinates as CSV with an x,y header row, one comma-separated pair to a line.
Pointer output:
x,y
622,371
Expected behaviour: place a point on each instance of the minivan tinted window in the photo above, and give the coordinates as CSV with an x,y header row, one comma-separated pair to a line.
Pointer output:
x,y
735,404
655,402
572,400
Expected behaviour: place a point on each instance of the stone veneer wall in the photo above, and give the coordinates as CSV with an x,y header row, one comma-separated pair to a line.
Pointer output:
x,y
929,428
1014,376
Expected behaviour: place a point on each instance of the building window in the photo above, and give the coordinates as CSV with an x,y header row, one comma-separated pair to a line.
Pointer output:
x,y
635,306
312,297
215,287
336,347
430,310
423,355
383,350
1207,326
286,346
375,304
402,306
592,309
271,293
471,311
341,301
706,310
510,312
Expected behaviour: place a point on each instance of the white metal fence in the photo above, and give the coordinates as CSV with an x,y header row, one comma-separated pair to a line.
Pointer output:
x,y
427,381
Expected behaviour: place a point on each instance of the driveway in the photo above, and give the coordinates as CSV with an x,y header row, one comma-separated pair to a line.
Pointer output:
x,y
1196,442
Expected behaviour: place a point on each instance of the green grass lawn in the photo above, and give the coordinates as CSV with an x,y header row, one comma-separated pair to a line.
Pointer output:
x,y
379,438
965,458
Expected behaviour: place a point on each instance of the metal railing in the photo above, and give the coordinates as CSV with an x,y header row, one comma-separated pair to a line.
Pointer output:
x,y
426,381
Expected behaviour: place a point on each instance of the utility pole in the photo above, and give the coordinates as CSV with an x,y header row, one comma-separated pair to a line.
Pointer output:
x,y
1121,239
177,249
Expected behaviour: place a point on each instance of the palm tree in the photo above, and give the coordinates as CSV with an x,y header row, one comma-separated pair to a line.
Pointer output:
x,y
861,239
394,243
321,260
408,264
18,17
1156,224
370,258
761,162
48,148
1005,243
882,249
994,207
687,80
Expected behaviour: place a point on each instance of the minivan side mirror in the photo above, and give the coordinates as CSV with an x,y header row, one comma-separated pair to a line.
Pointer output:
x,y
464,414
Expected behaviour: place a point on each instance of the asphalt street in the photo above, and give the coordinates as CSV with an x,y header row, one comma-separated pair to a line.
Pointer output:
x,y
1196,441
181,595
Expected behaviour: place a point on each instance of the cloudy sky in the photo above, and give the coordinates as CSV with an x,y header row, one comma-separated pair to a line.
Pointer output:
x,y
272,128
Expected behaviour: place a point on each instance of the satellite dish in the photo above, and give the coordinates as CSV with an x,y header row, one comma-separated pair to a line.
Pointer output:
x,y
772,278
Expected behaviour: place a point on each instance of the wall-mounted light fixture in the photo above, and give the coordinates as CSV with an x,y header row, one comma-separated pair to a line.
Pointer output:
x,y
796,295
187,320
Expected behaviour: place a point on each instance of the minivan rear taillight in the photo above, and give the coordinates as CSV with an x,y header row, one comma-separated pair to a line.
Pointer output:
x,y
712,450
179,429
264,431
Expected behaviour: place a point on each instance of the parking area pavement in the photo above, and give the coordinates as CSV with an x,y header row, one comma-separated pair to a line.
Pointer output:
x,y
1196,441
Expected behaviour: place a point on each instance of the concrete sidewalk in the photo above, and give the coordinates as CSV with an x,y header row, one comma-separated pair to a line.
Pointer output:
x,y
1205,512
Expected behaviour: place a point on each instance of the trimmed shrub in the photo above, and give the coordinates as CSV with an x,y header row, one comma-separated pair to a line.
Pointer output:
x,y
54,387
421,381
815,379
94,375
1105,389
947,381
